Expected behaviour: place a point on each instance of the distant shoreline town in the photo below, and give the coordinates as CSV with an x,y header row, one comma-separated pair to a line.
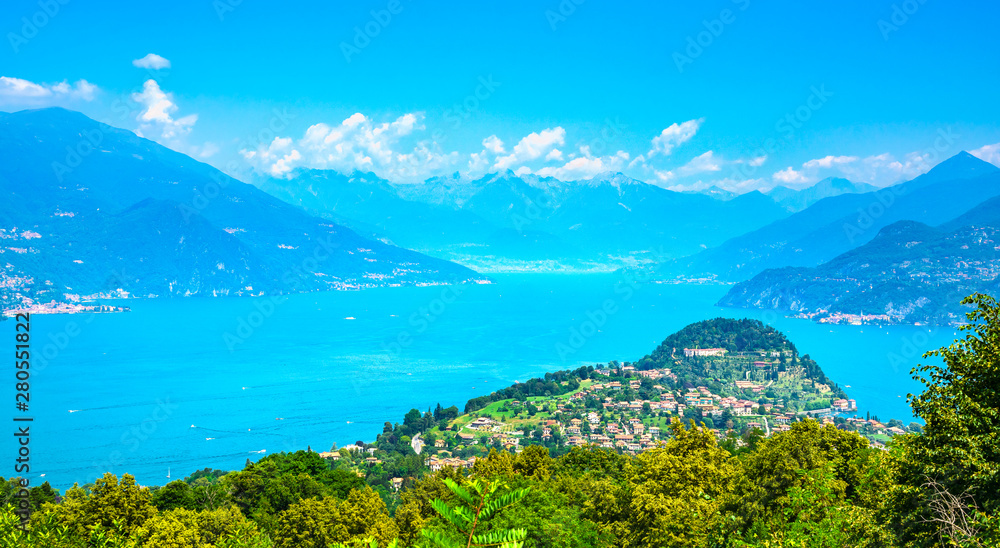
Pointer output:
x,y
65,308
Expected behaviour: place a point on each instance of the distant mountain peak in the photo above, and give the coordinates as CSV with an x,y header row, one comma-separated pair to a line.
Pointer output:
x,y
799,199
836,182
714,191
140,205
962,165
63,117
616,179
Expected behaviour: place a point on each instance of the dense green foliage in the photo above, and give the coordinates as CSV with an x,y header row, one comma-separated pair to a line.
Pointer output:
x,y
949,478
733,335
738,337
550,385
812,485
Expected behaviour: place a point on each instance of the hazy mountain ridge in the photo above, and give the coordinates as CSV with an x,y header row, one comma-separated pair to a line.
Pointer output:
x,y
105,210
797,200
984,214
910,273
838,224
604,220
91,209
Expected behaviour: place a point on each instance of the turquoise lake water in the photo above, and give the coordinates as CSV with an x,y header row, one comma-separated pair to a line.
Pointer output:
x,y
182,384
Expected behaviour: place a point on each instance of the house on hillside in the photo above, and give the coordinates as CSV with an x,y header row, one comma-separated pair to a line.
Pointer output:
x,y
699,352
466,437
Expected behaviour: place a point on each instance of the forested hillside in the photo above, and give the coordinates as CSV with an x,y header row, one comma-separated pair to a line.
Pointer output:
x,y
910,273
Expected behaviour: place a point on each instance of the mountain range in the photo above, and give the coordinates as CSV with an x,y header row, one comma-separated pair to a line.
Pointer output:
x,y
88,210
837,224
92,211
797,200
909,273
609,219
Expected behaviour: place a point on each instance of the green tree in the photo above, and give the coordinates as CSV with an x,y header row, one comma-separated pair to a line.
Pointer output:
x,y
533,462
678,490
176,494
415,511
958,456
961,407
777,464
470,515
112,504
42,494
182,528
818,515
315,523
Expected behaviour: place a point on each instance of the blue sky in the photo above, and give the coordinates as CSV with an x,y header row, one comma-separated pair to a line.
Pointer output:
x,y
774,93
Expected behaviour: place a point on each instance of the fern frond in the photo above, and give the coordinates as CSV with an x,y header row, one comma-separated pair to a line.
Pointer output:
x,y
500,536
503,501
460,491
458,520
438,539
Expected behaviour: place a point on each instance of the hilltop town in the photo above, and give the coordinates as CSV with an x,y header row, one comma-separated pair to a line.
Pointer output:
x,y
613,415
750,383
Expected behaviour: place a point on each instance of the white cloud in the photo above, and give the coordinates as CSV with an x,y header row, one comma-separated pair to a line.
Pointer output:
x,y
586,166
706,162
152,61
270,152
28,93
404,125
885,169
674,136
494,145
478,163
285,164
789,176
554,155
392,149
758,161
829,161
879,169
664,176
988,153
425,159
208,150
157,114
16,87
531,147
277,158
700,164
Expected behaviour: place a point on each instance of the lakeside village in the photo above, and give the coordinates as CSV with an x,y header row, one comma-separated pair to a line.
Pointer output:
x,y
64,308
628,410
